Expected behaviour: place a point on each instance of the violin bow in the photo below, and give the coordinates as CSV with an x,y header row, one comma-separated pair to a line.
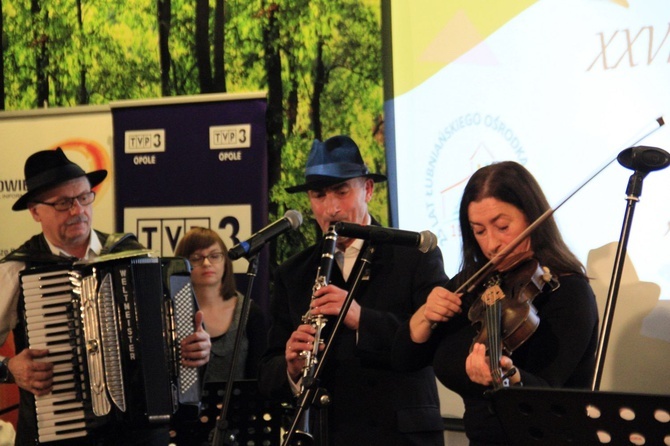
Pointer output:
x,y
470,284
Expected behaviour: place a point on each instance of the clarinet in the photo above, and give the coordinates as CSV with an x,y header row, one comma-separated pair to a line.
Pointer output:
x,y
302,433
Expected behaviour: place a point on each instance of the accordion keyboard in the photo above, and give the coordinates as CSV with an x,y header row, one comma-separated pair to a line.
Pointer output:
x,y
52,323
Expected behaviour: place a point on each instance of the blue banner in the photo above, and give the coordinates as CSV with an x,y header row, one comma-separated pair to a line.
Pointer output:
x,y
193,161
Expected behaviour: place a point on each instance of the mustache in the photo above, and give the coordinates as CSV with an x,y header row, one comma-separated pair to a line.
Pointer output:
x,y
77,219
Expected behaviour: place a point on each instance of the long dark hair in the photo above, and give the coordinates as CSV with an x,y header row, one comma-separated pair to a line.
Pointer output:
x,y
511,183
201,238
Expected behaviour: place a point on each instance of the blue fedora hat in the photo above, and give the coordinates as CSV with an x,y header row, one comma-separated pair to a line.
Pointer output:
x,y
333,161
49,168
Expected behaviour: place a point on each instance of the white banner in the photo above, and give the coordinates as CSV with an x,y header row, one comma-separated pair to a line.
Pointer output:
x,y
84,134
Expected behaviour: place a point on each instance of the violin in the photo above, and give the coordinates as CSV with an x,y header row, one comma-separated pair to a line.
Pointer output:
x,y
505,314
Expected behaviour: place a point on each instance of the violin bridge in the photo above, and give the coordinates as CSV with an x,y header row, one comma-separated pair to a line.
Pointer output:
x,y
492,294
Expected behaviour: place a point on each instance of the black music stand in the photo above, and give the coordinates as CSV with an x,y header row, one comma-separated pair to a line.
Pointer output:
x,y
541,416
253,418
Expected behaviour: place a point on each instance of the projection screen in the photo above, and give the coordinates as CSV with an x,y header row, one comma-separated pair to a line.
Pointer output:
x,y
562,87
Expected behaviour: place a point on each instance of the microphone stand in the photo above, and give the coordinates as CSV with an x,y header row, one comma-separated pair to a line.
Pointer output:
x,y
642,161
222,434
313,391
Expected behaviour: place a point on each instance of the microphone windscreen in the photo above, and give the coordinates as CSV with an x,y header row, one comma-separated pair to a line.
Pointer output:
x,y
644,158
294,217
428,241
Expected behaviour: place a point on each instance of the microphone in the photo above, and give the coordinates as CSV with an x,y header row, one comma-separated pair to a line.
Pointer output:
x,y
644,159
425,241
292,220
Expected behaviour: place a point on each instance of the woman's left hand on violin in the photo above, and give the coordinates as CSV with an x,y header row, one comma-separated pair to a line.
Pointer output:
x,y
478,370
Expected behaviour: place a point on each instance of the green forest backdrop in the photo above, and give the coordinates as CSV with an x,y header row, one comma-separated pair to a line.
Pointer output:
x,y
318,60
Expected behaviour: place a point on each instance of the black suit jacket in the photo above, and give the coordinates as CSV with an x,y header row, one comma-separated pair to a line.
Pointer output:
x,y
371,403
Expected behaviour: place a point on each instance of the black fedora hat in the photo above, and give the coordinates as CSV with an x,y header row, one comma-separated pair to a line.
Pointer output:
x,y
49,168
332,161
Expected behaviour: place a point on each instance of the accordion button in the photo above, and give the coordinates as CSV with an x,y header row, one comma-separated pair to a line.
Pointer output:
x,y
92,346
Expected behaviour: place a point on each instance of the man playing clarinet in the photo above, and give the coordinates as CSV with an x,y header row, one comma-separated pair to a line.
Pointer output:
x,y
370,403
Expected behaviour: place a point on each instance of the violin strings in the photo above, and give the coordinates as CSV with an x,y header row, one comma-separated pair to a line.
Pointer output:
x,y
493,315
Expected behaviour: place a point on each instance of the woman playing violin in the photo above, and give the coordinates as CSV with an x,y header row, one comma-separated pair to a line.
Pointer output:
x,y
499,202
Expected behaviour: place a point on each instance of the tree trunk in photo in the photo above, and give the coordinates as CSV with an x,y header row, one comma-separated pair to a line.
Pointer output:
x,y
292,100
272,61
274,120
82,93
164,20
219,50
202,52
41,55
319,84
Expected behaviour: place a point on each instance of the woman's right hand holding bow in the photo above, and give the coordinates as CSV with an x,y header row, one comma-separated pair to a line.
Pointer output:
x,y
441,305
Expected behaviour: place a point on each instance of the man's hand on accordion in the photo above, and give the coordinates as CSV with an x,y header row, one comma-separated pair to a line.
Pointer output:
x,y
34,376
195,348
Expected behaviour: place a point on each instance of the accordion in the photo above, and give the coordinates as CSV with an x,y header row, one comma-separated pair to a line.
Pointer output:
x,y
113,327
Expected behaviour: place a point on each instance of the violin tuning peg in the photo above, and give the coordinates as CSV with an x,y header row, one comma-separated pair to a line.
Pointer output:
x,y
547,274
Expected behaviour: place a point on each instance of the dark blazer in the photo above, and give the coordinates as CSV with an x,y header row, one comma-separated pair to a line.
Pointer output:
x,y
371,403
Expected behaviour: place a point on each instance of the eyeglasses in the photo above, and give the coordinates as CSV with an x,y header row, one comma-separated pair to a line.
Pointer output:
x,y
213,257
65,204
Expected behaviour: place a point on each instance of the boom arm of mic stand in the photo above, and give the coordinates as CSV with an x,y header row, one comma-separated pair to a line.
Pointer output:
x,y
222,423
308,395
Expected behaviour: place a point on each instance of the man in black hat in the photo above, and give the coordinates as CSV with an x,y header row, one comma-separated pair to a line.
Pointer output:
x,y
371,403
60,196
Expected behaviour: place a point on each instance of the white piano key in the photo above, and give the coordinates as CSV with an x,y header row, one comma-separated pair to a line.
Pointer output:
x,y
61,436
38,324
49,345
61,381
34,280
63,367
56,410
56,351
54,338
62,358
47,301
42,275
56,429
75,415
51,399
51,330
55,281
39,314
62,361
31,293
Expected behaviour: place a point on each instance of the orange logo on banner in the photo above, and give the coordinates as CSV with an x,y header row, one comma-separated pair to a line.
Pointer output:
x,y
95,157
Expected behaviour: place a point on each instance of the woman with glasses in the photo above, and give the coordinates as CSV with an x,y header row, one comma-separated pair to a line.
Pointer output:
x,y
214,286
